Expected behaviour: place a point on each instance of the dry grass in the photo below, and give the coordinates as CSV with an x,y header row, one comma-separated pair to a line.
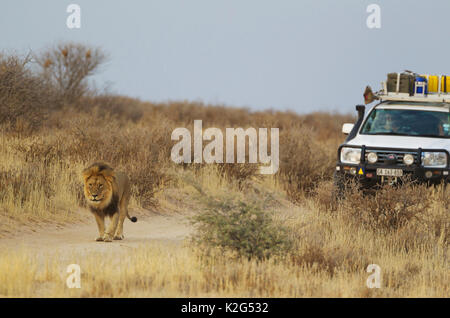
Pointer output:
x,y
405,231
165,270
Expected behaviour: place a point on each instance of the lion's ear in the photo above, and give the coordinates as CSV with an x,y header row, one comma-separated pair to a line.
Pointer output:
x,y
86,174
108,174
110,179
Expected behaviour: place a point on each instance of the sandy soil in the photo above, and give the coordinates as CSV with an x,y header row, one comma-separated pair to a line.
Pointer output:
x,y
150,227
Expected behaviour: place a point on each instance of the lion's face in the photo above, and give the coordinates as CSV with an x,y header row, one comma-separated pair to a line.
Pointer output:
x,y
97,190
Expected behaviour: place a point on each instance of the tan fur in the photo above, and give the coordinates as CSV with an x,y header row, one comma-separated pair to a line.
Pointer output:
x,y
107,193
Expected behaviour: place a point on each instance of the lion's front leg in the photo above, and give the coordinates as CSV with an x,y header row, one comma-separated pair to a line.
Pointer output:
x,y
100,219
108,237
119,232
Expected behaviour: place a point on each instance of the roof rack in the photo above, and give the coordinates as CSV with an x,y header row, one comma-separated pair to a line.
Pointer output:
x,y
430,98
420,94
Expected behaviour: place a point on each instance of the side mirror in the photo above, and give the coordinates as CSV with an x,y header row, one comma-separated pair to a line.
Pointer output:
x,y
347,128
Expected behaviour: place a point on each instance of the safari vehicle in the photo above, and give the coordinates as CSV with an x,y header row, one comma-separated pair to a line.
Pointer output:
x,y
407,134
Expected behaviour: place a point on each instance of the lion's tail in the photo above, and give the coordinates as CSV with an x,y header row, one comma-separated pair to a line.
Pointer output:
x,y
132,218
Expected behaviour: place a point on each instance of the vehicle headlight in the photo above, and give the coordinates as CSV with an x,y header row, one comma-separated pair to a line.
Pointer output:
x,y
350,155
408,159
434,159
372,157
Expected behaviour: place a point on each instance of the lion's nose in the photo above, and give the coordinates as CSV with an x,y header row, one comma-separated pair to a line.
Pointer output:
x,y
94,195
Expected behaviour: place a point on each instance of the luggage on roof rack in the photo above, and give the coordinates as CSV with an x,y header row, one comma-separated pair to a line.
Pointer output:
x,y
410,86
400,83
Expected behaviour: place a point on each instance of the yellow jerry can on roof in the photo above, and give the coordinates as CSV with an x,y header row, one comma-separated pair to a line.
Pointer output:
x,y
433,83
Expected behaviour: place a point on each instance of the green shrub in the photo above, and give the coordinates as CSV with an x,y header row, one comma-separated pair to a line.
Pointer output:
x,y
240,227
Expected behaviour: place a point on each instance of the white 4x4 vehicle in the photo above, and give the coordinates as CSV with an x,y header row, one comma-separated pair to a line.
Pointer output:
x,y
397,137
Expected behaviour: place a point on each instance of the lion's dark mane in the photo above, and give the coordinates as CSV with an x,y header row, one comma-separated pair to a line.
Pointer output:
x,y
110,209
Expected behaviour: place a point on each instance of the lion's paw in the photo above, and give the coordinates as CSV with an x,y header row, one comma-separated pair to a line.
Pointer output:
x,y
107,238
119,237
99,239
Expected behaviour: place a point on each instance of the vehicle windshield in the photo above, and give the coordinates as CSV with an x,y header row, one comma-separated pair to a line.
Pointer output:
x,y
406,122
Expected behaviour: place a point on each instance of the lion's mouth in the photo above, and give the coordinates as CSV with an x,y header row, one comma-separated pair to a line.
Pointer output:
x,y
95,200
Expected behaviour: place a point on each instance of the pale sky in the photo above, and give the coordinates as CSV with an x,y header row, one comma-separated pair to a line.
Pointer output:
x,y
302,55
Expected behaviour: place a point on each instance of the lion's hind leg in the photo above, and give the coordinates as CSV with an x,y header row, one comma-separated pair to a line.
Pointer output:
x,y
123,212
119,232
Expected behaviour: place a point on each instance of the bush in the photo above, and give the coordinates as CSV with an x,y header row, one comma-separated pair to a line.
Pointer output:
x,y
27,97
324,196
330,260
240,227
389,208
24,98
117,107
304,162
241,173
67,66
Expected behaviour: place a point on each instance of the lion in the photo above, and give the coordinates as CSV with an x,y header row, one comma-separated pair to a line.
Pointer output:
x,y
107,193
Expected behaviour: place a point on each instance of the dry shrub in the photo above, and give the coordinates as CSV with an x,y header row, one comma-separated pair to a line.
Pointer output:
x,y
241,173
323,194
303,162
13,181
24,98
147,179
396,279
330,259
436,223
28,97
67,66
112,106
389,208
22,187
326,126
184,113
42,151
407,215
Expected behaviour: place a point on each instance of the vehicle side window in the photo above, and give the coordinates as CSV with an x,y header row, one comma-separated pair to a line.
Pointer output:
x,y
369,125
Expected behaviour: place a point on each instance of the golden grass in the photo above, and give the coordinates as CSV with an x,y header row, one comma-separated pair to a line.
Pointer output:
x,y
34,191
166,270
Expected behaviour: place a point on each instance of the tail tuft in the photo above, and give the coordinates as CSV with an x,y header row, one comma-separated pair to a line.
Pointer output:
x,y
133,219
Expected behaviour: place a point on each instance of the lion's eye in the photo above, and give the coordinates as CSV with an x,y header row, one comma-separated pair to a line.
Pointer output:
x,y
101,186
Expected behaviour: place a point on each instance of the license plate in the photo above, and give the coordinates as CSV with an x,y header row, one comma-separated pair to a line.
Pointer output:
x,y
389,172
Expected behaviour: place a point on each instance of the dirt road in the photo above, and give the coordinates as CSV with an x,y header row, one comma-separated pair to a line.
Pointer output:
x,y
81,237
